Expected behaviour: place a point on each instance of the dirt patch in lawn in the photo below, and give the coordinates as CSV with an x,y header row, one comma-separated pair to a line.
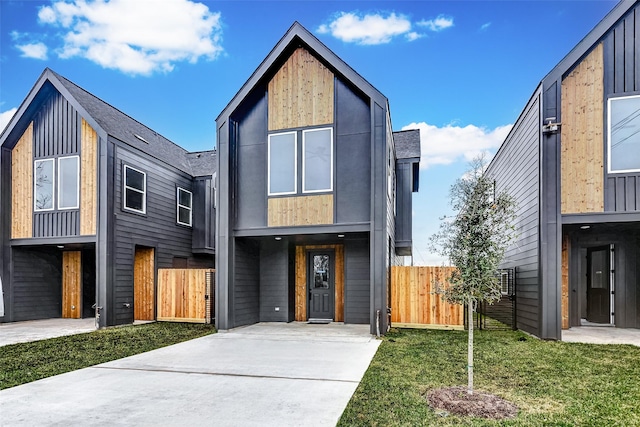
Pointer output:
x,y
456,400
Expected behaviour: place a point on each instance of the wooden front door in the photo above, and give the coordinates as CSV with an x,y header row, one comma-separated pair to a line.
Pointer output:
x,y
598,285
144,284
321,285
72,284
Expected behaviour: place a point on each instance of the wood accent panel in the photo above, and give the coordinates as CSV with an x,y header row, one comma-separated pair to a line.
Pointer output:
x,y
22,186
143,284
301,93
72,284
88,180
415,302
582,136
301,281
565,281
300,210
184,295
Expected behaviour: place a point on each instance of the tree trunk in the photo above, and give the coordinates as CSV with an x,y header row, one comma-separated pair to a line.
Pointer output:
x,y
470,310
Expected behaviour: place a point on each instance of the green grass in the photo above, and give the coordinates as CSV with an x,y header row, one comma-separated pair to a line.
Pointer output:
x,y
553,383
26,362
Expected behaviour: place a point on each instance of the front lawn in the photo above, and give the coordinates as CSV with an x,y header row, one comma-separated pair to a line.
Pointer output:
x,y
26,362
553,383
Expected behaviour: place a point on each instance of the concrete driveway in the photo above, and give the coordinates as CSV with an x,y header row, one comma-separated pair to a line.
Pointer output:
x,y
268,374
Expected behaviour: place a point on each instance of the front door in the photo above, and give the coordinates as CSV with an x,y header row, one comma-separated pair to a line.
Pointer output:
x,y
321,284
598,285
144,284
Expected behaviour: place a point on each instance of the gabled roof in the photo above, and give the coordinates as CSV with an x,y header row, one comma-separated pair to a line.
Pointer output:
x,y
407,144
203,163
112,121
298,35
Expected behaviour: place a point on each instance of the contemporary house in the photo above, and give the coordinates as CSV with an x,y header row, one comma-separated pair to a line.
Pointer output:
x,y
572,160
314,192
93,203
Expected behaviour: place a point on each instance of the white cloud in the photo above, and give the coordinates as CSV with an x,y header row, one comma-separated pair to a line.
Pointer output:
x,y
448,144
485,26
5,116
367,29
33,50
413,36
439,23
135,37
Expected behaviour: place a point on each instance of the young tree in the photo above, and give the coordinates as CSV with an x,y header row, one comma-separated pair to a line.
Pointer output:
x,y
475,241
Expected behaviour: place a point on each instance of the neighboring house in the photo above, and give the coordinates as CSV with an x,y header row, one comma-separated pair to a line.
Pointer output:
x,y
93,203
572,160
314,193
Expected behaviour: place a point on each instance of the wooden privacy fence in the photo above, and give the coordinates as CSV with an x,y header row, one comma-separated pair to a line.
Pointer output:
x,y
415,303
185,295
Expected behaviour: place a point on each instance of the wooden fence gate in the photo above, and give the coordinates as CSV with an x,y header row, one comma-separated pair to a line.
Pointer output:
x,y
415,302
185,295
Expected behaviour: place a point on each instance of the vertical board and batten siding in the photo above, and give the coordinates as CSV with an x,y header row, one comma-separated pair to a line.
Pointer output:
x,y
22,186
415,301
301,288
516,169
36,292
245,304
404,195
204,214
183,295
300,210
72,284
582,138
274,283
301,93
621,77
157,228
88,180
357,283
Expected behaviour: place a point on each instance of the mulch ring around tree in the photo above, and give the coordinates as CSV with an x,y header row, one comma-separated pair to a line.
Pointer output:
x,y
456,400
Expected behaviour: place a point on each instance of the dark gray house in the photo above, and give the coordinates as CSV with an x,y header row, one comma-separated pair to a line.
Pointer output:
x,y
572,160
93,203
314,192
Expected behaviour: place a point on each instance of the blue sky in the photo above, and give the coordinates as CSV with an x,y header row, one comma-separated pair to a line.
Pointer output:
x,y
461,71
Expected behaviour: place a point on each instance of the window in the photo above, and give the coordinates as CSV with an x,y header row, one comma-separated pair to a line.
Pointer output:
x,y
135,190
624,134
43,184
282,163
317,160
185,199
68,182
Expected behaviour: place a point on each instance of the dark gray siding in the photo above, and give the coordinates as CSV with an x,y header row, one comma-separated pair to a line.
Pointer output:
x,y
404,206
158,228
56,132
274,281
356,281
37,292
246,283
353,156
249,151
204,216
515,169
5,228
622,77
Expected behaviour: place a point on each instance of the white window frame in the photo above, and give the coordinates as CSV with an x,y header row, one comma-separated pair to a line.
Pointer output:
x,y
125,188
295,164
53,184
77,206
304,132
609,102
178,206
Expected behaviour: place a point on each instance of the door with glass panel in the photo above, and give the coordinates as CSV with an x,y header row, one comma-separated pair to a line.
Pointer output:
x,y
321,284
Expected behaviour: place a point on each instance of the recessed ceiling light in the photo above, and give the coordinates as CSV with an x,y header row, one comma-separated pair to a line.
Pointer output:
x,y
585,227
60,246
278,238
341,235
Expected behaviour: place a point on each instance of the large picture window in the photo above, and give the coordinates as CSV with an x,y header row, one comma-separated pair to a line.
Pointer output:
x,y
624,134
135,190
68,182
185,200
282,163
43,184
317,160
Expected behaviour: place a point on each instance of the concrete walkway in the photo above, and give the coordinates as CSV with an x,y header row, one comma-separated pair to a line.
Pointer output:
x,y
602,335
34,330
261,375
